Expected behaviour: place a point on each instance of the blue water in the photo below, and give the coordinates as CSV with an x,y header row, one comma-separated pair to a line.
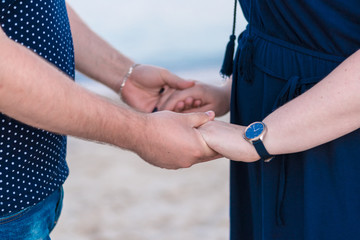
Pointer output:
x,y
176,34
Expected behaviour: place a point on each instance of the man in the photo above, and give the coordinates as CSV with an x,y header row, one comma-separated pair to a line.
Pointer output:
x,y
40,104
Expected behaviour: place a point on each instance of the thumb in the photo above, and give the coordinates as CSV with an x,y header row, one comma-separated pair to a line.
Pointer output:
x,y
177,82
198,119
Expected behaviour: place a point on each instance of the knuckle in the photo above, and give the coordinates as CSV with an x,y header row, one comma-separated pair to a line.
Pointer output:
x,y
164,72
186,164
197,154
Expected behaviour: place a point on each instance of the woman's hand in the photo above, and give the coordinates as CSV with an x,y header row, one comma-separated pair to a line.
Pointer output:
x,y
227,139
199,98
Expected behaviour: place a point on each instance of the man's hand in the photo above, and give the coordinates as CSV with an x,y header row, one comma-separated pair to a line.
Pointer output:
x,y
171,140
149,86
200,98
227,140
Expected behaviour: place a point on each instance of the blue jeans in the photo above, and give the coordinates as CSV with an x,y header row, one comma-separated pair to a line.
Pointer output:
x,y
35,222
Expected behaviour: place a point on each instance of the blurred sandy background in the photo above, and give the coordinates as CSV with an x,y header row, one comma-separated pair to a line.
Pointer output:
x,y
112,194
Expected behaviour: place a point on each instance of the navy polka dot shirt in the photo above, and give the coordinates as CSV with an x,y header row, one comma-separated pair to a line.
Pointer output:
x,y
32,161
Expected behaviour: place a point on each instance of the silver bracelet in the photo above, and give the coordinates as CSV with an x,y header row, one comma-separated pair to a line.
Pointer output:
x,y
127,75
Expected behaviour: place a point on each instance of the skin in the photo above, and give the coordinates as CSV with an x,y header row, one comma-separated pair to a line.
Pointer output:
x,y
38,94
329,110
97,59
216,98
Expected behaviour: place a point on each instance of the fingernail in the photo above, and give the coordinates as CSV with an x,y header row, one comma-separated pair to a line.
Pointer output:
x,y
210,113
155,109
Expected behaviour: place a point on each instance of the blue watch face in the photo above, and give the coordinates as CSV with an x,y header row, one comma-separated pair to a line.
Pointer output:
x,y
254,130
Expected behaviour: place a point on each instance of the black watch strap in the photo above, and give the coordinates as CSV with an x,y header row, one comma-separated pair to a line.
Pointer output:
x,y
261,150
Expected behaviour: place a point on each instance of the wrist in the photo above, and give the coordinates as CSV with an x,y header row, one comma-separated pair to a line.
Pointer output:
x,y
255,133
270,142
253,155
232,144
126,128
119,66
126,77
224,98
220,97
226,93
137,132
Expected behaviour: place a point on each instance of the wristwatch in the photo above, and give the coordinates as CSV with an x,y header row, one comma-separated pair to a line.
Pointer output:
x,y
255,134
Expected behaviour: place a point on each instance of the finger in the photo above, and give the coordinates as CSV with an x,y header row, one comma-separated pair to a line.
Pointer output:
x,y
176,82
202,108
163,98
212,157
198,119
206,135
189,102
197,103
178,96
214,154
180,106
172,102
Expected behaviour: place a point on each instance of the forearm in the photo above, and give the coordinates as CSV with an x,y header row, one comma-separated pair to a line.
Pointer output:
x,y
327,111
36,93
94,56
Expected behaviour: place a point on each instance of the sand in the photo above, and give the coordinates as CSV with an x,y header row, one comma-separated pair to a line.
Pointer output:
x,y
113,194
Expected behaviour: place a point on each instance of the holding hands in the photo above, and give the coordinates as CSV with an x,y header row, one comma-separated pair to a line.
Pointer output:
x,y
172,141
199,98
150,88
227,139
224,138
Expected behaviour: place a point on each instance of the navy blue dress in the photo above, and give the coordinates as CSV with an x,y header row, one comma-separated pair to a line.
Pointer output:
x,y
289,46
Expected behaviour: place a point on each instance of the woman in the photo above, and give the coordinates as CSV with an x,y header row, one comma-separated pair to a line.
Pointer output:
x,y
296,70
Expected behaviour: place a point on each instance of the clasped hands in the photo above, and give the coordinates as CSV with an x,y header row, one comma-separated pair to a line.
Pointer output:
x,y
175,140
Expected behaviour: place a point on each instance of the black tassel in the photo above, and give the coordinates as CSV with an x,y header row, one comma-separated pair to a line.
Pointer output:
x,y
227,67
246,60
